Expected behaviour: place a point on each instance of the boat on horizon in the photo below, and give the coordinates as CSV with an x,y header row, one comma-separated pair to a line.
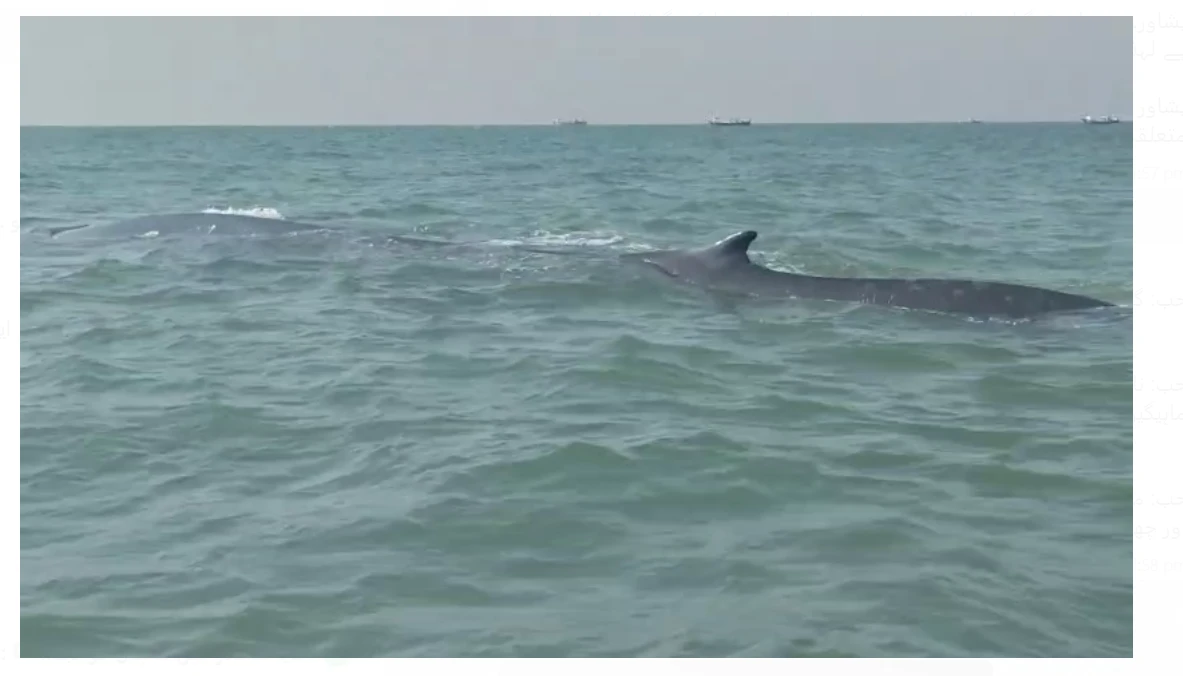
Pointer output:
x,y
576,122
1104,119
733,122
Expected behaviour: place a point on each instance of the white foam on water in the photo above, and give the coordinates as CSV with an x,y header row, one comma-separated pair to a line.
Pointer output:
x,y
258,212
543,238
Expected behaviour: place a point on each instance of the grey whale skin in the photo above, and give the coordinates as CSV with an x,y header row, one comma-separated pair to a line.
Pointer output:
x,y
218,223
725,266
207,223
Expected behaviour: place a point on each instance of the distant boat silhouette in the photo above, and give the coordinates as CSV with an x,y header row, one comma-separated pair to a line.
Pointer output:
x,y
1104,119
733,122
577,122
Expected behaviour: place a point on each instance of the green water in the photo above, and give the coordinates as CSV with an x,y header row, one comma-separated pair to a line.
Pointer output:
x,y
314,446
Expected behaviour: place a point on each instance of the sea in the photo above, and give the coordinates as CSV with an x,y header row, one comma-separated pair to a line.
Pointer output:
x,y
328,443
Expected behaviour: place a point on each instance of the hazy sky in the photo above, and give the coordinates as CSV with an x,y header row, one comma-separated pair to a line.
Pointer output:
x,y
610,70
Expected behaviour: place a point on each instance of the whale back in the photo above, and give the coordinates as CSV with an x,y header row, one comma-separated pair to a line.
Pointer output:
x,y
725,265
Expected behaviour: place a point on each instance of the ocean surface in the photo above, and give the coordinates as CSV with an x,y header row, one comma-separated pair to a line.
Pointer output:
x,y
321,443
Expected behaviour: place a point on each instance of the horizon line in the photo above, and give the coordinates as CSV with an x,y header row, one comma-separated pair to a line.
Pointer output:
x,y
373,125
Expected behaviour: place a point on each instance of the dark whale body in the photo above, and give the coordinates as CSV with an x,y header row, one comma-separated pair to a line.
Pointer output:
x,y
240,225
725,266
192,223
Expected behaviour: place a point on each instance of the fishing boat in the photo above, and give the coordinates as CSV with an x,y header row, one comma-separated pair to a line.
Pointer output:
x,y
733,122
577,122
1104,119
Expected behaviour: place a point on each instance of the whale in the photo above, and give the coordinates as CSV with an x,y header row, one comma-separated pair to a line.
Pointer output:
x,y
220,224
206,223
217,223
726,266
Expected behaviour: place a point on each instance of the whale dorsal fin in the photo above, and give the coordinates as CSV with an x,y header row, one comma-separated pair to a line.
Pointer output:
x,y
734,247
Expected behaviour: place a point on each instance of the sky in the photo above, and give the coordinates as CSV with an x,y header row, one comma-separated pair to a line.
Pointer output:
x,y
489,70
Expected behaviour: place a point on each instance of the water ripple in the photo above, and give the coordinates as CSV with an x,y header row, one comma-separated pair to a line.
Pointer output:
x,y
329,446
